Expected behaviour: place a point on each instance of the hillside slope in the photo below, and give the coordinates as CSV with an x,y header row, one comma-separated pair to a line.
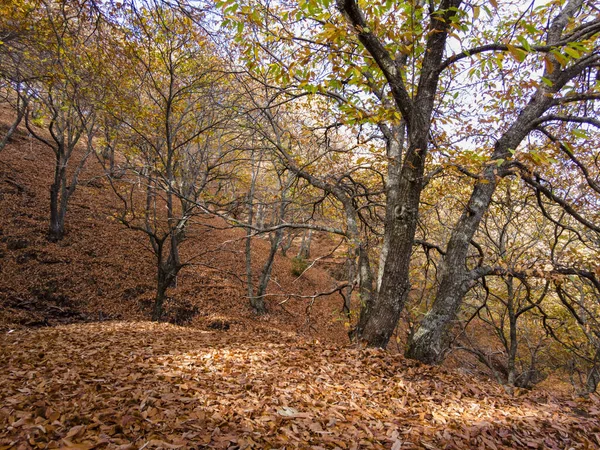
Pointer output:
x,y
101,270
81,368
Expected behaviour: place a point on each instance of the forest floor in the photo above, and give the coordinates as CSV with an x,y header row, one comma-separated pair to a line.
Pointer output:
x,y
81,368
144,385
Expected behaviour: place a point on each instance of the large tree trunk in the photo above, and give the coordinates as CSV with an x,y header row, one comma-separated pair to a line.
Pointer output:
x,y
394,288
394,136
258,302
63,188
56,229
166,271
417,111
429,342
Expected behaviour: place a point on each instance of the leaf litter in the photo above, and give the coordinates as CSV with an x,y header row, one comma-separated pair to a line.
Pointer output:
x,y
119,385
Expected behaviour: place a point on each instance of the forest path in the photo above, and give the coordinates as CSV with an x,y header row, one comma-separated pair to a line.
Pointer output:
x,y
146,385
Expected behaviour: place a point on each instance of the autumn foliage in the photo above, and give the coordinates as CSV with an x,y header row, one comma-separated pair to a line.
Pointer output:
x,y
296,194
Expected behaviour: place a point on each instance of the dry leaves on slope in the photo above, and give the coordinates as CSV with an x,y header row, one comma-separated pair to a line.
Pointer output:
x,y
142,385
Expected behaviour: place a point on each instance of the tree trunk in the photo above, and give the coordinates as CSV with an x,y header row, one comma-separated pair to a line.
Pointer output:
x,y
162,285
351,277
394,288
304,251
250,221
21,109
366,293
593,378
108,154
394,137
261,214
512,340
166,272
56,229
429,343
417,112
61,191
58,202
286,243
258,302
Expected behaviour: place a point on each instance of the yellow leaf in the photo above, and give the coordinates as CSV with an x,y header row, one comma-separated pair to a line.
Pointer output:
x,y
517,53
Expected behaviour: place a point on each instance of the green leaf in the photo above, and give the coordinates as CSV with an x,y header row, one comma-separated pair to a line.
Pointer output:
x,y
531,29
559,57
524,43
572,52
578,132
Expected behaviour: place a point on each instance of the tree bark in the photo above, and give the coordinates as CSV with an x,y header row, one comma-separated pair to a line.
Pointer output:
x,y
394,136
58,200
417,113
367,293
394,288
593,378
258,301
429,343
21,110
248,249
56,229
162,284
304,251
